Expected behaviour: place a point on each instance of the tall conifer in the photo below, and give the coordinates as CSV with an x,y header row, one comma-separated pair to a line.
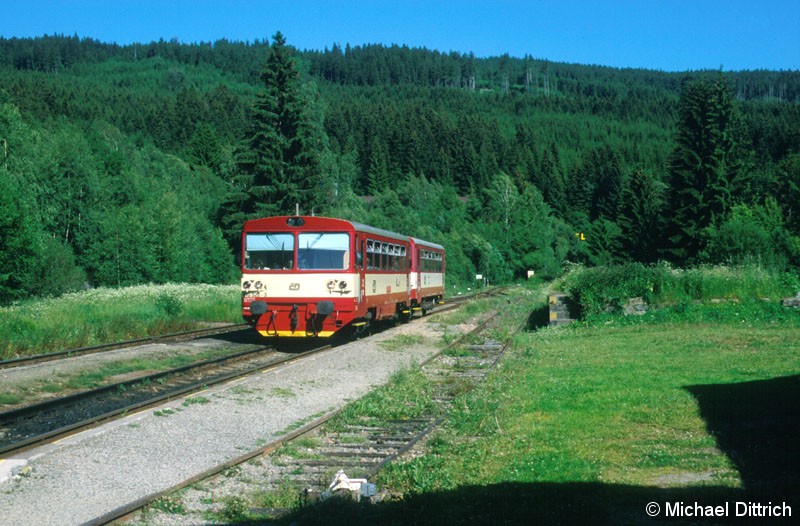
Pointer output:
x,y
281,157
703,166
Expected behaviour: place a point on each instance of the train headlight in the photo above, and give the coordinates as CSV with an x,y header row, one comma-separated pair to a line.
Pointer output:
x,y
246,285
331,284
342,285
259,285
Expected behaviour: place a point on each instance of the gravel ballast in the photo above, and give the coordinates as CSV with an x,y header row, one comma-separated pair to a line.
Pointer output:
x,y
85,476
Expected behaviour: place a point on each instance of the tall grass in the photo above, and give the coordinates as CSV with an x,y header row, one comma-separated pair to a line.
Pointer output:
x,y
607,289
105,315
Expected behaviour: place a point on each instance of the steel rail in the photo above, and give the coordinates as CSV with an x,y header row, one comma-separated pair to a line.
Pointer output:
x,y
80,351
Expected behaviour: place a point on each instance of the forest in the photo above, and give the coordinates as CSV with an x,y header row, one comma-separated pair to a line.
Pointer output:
x,y
138,164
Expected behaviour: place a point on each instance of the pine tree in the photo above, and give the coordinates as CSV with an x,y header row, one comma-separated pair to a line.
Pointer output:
x,y
702,168
19,242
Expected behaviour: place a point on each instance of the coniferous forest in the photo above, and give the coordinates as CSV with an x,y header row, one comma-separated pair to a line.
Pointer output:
x,y
139,163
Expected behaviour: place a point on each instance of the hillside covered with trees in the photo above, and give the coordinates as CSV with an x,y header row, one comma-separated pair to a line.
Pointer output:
x,y
138,163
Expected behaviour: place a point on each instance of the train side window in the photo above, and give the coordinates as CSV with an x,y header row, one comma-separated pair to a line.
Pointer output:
x,y
371,255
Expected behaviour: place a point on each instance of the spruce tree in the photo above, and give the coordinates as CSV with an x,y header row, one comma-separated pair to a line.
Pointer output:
x,y
702,168
640,217
281,161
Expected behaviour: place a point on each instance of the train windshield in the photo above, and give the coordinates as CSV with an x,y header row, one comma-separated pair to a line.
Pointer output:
x,y
269,251
323,251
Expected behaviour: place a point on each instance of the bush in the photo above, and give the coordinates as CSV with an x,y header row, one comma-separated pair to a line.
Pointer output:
x,y
607,289
600,289
169,304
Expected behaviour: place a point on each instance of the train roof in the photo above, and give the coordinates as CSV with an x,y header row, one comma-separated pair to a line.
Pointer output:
x,y
426,243
379,231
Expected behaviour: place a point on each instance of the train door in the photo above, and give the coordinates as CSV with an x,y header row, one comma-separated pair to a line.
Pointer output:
x,y
361,265
408,269
418,261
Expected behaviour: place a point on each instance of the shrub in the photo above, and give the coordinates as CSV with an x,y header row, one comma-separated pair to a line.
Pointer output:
x,y
607,289
169,304
600,289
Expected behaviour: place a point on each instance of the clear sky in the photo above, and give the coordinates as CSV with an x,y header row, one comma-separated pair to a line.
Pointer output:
x,y
670,35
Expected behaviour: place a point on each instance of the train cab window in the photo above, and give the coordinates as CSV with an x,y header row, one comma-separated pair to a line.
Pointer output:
x,y
323,251
265,251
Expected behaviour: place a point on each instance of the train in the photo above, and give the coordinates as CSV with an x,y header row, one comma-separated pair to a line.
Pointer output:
x,y
316,277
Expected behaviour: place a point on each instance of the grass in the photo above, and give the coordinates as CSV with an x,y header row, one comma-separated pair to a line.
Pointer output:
x,y
405,396
608,404
588,423
193,400
106,315
401,342
169,504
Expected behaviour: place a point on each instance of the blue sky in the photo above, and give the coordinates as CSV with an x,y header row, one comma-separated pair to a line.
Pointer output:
x,y
670,35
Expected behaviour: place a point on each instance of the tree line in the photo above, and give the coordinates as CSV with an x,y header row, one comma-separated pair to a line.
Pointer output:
x,y
124,164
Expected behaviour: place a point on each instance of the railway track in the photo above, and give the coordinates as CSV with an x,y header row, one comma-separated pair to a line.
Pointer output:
x,y
178,336
35,424
362,449
359,449
81,351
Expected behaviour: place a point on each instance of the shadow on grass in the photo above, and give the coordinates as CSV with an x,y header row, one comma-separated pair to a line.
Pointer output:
x,y
756,424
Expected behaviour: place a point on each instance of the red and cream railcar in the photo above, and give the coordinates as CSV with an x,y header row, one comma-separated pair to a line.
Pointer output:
x,y
426,275
313,276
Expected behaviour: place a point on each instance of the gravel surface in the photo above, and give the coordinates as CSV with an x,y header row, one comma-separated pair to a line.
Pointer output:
x,y
82,477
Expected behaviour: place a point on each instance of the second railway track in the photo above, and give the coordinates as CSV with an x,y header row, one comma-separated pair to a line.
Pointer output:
x,y
36,423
